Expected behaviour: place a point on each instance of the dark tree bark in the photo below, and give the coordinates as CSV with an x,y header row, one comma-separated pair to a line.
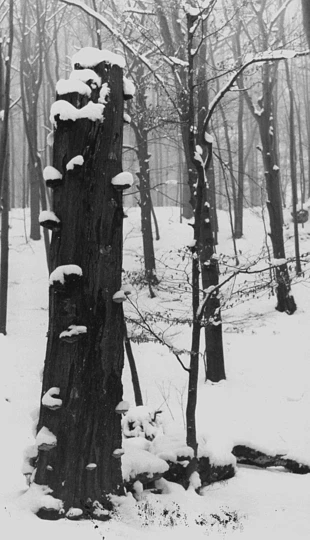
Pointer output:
x,y
4,268
267,129
141,127
306,18
293,166
133,368
88,369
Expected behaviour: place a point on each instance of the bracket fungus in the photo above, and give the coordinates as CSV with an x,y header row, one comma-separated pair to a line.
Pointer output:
x,y
67,274
123,180
73,333
52,177
91,466
122,407
118,453
45,439
119,297
49,220
127,118
50,401
128,89
76,161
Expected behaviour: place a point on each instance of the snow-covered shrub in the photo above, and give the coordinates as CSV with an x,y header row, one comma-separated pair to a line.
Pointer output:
x,y
141,421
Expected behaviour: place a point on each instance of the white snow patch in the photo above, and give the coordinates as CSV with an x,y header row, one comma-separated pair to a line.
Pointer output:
x,y
66,111
76,160
208,137
127,118
278,262
64,270
137,461
50,173
48,215
37,497
128,87
68,86
73,330
74,512
141,421
123,179
119,297
49,400
45,439
171,448
86,76
104,93
89,57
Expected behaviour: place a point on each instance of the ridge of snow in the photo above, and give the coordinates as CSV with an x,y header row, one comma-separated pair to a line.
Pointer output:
x,y
89,57
66,111
137,461
86,75
69,86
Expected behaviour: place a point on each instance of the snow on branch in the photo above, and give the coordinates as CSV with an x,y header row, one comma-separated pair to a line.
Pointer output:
x,y
266,56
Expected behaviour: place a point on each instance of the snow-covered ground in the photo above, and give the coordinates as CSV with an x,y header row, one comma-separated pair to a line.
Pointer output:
x,y
265,401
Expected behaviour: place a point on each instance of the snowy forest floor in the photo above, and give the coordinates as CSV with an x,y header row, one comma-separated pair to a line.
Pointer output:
x,y
264,403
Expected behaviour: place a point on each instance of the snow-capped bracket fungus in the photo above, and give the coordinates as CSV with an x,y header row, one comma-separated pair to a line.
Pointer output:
x,y
49,220
73,333
53,177
123,180
50,401
128,89
122,407
66,275
119,297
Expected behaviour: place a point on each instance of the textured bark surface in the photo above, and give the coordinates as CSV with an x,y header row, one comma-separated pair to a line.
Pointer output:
x,y
88,370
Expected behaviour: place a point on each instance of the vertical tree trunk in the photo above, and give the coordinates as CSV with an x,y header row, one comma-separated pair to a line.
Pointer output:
x,y
133,369
293,167
139,125
87,367
35,233
4,268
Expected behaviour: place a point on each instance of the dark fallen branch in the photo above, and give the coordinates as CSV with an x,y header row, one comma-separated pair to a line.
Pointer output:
x,y
249,456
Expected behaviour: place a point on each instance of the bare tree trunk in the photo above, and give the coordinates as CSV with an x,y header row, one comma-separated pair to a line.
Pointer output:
x,y
5,86
133,368
293,168
86,367
4,268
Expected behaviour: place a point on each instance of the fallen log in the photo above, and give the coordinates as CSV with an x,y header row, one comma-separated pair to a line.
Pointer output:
x,y
249,456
